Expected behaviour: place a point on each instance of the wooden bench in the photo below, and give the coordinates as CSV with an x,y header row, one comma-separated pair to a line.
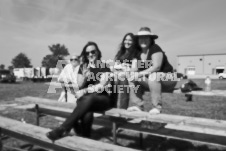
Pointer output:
x,y
43,101
44,107
36,135
189,95
221,93
204,131
43,110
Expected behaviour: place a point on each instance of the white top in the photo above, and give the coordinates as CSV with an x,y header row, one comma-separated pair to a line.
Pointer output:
x,y
69,74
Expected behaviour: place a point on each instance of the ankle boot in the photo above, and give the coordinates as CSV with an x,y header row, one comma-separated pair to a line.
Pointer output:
x,y
56,133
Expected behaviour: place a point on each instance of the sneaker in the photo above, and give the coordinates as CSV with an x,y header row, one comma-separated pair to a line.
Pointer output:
x,y
155,111
133,108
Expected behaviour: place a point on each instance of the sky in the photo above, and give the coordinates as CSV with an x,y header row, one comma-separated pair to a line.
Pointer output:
x,y
183,26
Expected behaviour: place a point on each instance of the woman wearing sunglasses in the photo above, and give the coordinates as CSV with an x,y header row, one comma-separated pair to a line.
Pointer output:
x,y
154,71
68,74
68,77
91,77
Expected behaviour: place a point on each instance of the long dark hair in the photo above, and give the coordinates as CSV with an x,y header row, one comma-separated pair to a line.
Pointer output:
x,y
133,50
83,54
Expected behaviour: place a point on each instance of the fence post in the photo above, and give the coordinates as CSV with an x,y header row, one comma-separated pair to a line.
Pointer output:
x,y
114,129
1,145
37,114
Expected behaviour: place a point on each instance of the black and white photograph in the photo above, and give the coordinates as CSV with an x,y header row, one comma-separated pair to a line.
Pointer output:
x,y
112,75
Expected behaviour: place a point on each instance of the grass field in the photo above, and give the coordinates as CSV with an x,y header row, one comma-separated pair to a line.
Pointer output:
x,y
201,106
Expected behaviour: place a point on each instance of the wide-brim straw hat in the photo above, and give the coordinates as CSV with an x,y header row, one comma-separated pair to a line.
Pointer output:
x,y
146,31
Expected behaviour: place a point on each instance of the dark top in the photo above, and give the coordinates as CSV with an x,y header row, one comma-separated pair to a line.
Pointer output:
x,y
95,74
94,79
166,66
124,59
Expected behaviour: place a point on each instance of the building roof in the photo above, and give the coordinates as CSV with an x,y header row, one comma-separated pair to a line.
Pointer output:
x,y
201,54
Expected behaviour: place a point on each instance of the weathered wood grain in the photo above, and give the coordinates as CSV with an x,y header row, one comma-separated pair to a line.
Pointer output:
x,y
36,135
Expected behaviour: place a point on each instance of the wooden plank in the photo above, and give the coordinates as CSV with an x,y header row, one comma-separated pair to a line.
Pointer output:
x,y
215,125
48,110
161,118
198,129
36,135
8,105
221,93
51,110
36,100
48,102
64,113
167,118
219,124
204,139
191,128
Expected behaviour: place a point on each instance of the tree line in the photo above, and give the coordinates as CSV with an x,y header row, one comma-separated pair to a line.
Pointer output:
x,y
21,60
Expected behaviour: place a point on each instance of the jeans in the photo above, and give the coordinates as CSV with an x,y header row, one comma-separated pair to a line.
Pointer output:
x,y
155,87
123,95
86,105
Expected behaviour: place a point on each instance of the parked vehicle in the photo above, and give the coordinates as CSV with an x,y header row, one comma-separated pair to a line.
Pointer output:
x,y
222,75
181,76
7,76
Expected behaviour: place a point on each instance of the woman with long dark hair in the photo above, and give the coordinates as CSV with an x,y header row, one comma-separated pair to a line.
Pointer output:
x,y
124,58
90,99
127,48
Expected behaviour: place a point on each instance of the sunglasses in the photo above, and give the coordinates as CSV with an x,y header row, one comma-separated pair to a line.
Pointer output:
x,y
92,52
74,59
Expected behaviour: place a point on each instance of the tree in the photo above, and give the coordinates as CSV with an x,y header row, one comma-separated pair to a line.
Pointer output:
x,y
2,66
58,52
10,68
21,61
49,61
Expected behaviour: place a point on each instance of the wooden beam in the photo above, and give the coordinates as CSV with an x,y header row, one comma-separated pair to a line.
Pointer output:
x,y
221,93
191,127
203,139
198,129
36,135
43,101
167,118
161,118
64,113
51,110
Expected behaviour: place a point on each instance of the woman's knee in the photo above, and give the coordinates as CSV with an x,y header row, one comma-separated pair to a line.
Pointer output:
x,y
154,84
87,99
153,77
87,118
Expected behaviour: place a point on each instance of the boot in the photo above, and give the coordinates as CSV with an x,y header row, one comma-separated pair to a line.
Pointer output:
x,y
56,133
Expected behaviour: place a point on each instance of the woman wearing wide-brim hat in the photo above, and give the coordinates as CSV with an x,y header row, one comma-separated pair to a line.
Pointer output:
x,y
152,63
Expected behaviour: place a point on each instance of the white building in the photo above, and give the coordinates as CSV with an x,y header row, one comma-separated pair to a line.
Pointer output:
x,y
201,65
18,72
